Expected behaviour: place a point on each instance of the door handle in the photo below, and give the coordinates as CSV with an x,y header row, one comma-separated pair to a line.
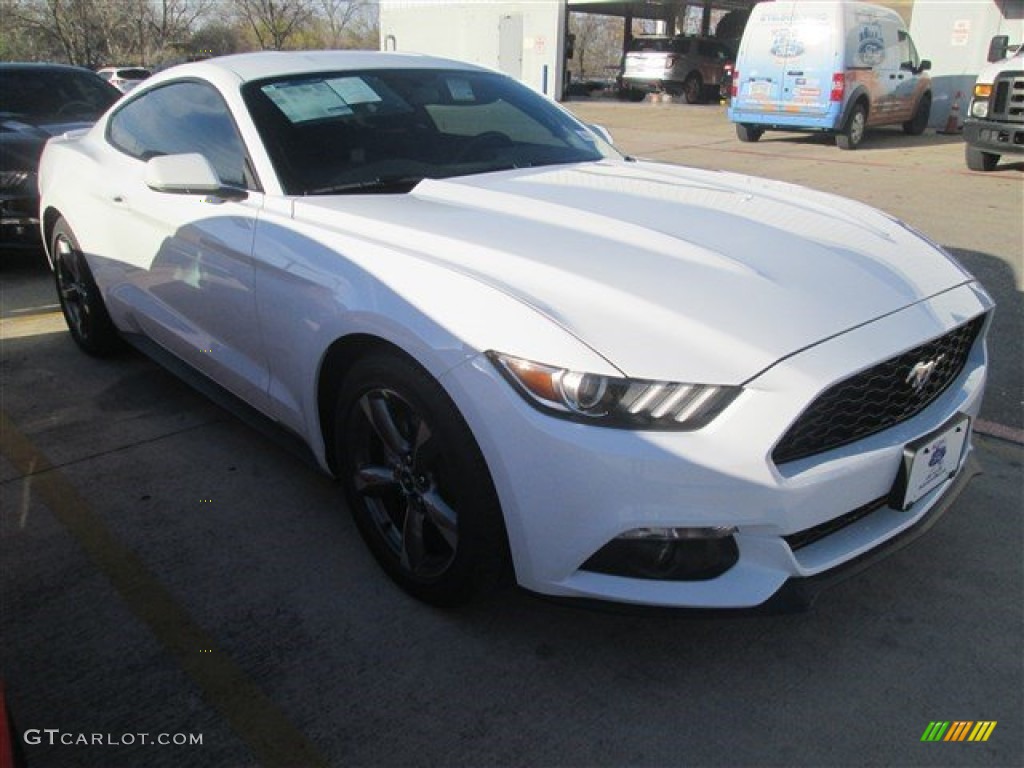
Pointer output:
x,y
119,199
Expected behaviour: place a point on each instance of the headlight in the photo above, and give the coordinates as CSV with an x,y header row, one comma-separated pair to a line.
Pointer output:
x,y
979,105
610,401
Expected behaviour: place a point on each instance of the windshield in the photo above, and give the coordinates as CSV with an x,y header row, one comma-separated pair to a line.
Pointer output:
x,y
62,94
386,130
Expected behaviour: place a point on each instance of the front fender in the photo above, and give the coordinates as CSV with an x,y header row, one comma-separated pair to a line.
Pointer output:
x,y
315,287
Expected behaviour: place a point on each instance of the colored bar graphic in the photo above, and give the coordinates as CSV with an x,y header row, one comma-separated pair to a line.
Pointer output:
x,y
958,730
982,730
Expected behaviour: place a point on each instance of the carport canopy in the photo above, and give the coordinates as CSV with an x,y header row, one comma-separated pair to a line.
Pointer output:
x,y
670,12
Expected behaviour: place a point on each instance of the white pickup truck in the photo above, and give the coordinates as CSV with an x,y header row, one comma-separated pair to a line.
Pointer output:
x,y
995,121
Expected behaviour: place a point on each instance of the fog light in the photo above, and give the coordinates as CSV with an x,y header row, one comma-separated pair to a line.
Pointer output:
x,y
668,554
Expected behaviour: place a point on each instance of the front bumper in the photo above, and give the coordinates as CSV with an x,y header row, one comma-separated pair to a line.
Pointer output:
x,y
19,221
568,489
998,138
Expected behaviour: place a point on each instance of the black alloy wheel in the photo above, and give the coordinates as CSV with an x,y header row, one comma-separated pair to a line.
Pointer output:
x,y
416,482
80,300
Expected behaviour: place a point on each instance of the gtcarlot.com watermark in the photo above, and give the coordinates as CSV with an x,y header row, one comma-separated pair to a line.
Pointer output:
x,y
54,736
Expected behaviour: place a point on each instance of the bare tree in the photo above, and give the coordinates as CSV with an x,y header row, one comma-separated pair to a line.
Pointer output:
x,y
273,22
598,43
338,17
91,33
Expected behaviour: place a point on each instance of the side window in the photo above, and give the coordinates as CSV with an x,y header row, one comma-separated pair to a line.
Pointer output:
x,y
908,53
178,118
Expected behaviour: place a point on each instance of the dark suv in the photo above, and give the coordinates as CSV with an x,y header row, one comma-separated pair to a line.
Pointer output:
x,y
694,67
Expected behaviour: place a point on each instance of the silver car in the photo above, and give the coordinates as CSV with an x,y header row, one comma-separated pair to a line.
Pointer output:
x,y
694,67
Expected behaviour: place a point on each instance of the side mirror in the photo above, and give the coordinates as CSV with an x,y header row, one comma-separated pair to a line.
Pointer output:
x,y
925,65
997,48
601,131
189,174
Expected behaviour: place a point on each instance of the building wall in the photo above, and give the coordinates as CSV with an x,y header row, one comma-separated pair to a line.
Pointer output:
x,y
522,39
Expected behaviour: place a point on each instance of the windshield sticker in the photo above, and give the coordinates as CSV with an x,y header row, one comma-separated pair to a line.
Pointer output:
x,y
307,100
353,90
460,89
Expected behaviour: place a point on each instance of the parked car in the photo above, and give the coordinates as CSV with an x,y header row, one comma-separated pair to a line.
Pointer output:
x,y
522,353
38,101
124,78
830,66
995,121
694,67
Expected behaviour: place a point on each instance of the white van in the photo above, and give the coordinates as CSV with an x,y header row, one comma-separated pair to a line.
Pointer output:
x,y
827,65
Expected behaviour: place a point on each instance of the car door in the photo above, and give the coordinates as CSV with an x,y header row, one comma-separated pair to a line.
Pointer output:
x,y
185,260
909,81
887,71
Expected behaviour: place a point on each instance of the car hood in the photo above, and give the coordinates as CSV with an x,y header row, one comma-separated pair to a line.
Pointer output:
x,y
667,272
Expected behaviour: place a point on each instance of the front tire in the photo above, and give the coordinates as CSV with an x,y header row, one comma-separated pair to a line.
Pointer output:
x,y
416,482
915,126
853,133
980,161
80,300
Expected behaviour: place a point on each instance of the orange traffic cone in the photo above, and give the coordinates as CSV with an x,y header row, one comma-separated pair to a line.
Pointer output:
x,y
953,121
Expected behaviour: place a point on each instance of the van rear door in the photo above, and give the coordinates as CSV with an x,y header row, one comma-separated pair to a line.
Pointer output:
x,y
762,58
788,55
812,55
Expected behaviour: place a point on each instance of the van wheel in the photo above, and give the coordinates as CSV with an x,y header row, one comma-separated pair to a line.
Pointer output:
x,y
915,126
980,161
748,133
693,88
853,134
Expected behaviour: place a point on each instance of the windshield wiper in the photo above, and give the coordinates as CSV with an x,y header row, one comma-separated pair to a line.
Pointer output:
x,y
379,184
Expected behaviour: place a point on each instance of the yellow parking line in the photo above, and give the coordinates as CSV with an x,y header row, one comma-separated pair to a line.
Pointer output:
x,y
273,740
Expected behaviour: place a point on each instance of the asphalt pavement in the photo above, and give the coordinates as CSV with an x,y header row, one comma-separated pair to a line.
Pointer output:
x,y
176,590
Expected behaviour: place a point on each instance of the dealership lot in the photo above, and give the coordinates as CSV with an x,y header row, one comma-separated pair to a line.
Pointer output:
x,y
166,570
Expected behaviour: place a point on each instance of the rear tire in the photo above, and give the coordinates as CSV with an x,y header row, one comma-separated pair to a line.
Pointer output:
x,y
417,484
80,299
915,126
853,133
693,88
980,161
748,133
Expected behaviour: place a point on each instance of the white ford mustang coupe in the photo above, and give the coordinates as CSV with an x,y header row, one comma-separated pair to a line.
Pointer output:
x,y
522,353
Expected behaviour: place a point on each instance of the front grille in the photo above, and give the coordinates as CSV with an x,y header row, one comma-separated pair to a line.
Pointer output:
x,y
808,536
1008,98
879,397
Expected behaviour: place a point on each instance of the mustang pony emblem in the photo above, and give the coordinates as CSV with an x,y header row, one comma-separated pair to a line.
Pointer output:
x,y
921,372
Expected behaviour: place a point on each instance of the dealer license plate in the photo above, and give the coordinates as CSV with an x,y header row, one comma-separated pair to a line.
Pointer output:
x,y
930,461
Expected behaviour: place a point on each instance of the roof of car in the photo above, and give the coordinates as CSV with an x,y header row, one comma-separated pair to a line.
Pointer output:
x,y
256,66
27,66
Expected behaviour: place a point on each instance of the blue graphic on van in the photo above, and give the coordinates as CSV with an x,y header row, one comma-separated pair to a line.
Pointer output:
x,y
785,45
871,46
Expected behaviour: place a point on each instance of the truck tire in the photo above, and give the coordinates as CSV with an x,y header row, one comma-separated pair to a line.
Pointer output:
x,y
980,161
